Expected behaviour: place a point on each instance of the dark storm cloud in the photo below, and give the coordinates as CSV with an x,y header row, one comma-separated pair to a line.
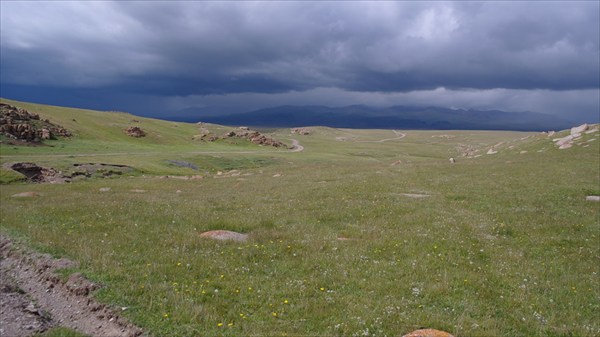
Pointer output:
x,y
181,54
201,48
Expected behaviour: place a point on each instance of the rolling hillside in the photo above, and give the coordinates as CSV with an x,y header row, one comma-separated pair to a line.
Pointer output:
x,y
362,232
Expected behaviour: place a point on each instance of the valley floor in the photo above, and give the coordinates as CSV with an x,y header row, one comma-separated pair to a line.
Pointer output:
x,y
363,232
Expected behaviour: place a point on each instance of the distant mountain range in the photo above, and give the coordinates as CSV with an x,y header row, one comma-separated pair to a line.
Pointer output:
x,y
395,117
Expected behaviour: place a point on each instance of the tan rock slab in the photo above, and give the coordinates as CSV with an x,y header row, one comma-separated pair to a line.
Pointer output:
x,y
225,235
26,195
428,333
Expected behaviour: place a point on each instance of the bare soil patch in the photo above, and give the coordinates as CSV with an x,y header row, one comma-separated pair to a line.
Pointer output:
x,y
37,299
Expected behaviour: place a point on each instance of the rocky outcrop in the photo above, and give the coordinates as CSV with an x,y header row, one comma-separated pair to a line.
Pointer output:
x,y
574,137
20,124
39,174
253,136
135,131
241,132
579,129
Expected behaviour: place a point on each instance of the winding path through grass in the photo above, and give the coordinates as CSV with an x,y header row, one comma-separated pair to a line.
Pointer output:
x,y
399,135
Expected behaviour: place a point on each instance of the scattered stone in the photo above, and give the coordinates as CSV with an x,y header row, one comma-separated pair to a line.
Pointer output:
x,y
452,161
181,163
397,162
428,333
135,131
194,177
178,191
302,131
551,133
100,170
591,130
465,150
523,152
135,190
224,235
565,146
104,189
593,198
579,129
206,137
277,175
26,195
492,151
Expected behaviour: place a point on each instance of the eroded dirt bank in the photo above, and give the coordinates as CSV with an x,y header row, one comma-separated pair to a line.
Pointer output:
x,y
34,299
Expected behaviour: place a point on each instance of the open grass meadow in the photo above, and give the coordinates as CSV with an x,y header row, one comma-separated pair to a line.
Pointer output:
x,y
350,237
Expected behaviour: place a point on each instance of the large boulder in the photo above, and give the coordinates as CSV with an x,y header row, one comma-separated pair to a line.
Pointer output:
x,y
579,129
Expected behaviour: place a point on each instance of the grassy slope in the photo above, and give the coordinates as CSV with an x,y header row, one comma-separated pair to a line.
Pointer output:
x,y
504,246
100,137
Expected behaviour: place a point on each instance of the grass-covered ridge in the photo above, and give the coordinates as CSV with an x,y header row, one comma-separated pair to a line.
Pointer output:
x,y
503,244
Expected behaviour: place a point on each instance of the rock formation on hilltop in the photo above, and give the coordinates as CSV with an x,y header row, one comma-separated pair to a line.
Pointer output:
x,y
241,132
20,124
253,136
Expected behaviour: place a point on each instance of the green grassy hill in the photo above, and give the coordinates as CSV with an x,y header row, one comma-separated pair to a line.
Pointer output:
x,y
365,232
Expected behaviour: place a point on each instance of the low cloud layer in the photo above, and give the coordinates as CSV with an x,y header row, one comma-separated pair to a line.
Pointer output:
x,y
514,55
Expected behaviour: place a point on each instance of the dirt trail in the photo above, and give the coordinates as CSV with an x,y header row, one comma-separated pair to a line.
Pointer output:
x,y
296,147
50,300
399,135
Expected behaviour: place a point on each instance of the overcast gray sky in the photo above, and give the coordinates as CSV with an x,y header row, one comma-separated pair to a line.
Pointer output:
x,y
162,57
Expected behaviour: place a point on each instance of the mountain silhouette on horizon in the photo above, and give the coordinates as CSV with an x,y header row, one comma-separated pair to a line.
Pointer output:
x,y
394,117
